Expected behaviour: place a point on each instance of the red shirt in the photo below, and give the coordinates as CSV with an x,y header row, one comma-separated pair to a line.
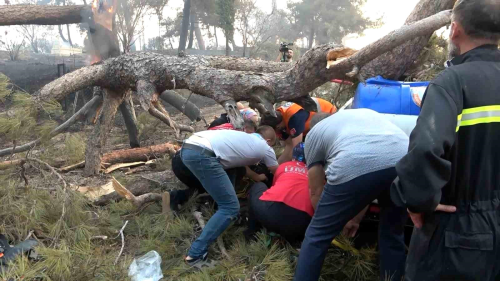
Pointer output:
x,y
290,186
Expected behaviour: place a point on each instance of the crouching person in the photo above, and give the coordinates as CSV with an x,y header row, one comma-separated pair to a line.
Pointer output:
x,y
206,154
359,149
286,207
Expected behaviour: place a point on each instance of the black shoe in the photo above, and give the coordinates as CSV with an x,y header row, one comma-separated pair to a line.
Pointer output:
x,y
174,202
199,262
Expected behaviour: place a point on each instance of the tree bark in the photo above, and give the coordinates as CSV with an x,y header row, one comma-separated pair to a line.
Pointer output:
x,y
127,110
185,25
199,76
216,39
43,14
182,104
396,62
139,154
97,140
137,188
227,45
69,36
199,36
191,35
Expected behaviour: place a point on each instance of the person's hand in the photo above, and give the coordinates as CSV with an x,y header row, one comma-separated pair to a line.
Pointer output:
x,y
261,177
350,228
418,218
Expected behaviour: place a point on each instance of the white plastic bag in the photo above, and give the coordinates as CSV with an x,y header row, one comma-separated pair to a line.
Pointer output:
x,y
146,268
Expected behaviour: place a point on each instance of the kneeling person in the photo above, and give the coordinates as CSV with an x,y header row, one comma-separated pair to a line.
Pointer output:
x,y
206,154
286,207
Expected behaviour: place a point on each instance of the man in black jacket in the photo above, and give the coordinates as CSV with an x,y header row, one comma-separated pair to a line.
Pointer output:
x,y
450,178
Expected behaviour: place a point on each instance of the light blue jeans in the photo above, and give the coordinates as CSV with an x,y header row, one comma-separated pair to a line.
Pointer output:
x,y
220,186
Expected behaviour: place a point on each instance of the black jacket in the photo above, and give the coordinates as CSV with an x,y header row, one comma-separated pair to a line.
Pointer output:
x,y
444,165
454,159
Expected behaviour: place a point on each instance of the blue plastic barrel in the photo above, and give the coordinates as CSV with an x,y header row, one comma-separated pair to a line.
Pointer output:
x,y
388,96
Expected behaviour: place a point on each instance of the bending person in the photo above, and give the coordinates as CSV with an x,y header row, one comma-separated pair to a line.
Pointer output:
x,y
286,207
206,154
292,122
359,149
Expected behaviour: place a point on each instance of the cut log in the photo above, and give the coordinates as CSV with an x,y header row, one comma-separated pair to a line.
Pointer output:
x,y
140,153
137,188
43,14
134,155
138,201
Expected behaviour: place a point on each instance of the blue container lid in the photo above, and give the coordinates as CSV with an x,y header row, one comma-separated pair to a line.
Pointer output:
x,y
379,80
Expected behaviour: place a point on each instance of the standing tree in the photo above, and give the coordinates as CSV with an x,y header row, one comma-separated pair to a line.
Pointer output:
x,y
225,9
172,28
246,11
158,6
129,14
185,25
327,20
204,13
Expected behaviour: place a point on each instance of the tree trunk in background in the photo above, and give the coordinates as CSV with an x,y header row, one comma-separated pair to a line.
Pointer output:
x,y
216,39
43,15
197,31
185,25
191,33
395,63
69,36
102,129
127,110
310,38
227,46
244,48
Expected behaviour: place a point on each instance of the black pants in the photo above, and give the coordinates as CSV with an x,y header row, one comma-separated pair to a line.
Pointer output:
x,y
277,217
193,184
339,204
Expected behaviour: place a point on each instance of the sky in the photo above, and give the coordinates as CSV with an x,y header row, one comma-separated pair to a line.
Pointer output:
x,y
392,12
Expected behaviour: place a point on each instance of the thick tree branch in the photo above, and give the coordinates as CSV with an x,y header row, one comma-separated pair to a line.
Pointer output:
x,y
43,15
197,74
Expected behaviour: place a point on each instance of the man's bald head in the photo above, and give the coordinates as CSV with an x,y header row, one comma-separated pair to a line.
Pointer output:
x,y
268,133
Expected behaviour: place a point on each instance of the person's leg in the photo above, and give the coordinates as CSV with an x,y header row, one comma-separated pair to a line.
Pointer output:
x,y
391,233
255,206
338,204
215,180
187,178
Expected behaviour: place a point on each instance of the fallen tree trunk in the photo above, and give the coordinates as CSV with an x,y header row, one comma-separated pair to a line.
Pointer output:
x,y
138,201
139,154
43,14
394,64
158,73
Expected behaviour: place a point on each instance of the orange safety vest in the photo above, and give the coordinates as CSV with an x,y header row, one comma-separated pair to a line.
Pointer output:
x,y
289,109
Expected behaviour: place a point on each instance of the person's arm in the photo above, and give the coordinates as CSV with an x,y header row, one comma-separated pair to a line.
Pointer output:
x,y
352,226
270,160
425,170
290,143
254,176
316,175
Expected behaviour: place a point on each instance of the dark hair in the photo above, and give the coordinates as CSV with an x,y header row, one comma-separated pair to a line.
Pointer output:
x,y
250,124
269,120
479,18
318,117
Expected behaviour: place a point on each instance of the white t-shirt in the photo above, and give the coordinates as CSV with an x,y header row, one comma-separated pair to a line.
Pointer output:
x,y
238,149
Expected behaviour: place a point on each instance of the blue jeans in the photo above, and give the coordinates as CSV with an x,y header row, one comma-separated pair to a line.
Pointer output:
x,y
220,185
339,204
